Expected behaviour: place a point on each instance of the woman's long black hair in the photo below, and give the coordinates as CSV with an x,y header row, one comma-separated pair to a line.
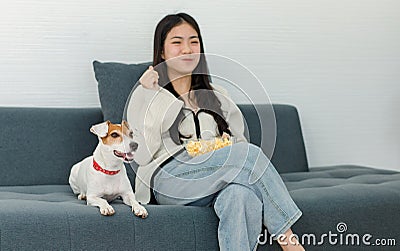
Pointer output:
x,y
206,100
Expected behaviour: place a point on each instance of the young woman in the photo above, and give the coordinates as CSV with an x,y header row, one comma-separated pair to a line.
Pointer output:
x,y
174,103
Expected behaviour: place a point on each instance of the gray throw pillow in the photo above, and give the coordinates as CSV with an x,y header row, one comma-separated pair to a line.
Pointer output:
x,y
115,82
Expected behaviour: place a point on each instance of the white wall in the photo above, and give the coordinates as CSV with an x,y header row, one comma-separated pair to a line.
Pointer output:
x,y
337,61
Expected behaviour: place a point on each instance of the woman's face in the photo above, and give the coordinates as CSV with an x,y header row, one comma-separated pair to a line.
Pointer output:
x,y
182,45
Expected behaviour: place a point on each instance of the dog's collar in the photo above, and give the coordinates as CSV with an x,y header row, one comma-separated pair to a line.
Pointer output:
x,y
97,167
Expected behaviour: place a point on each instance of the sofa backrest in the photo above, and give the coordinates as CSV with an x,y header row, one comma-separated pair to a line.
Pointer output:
x,y
288,150
38,146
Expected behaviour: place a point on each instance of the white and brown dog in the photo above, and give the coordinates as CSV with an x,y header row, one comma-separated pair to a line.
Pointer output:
x,y
102,177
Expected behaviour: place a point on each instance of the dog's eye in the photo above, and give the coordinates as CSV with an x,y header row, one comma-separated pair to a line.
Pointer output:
x,y
114,135
131,134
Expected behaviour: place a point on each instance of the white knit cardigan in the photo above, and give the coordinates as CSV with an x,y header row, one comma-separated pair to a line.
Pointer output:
x,y
151,113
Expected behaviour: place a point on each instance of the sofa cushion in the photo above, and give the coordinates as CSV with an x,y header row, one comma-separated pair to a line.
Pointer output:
x,y
50,217
365,199
115,82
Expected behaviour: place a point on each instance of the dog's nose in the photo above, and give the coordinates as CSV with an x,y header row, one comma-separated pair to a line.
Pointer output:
x,y
133,146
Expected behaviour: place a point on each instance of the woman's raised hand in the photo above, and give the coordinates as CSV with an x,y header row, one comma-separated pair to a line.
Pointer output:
x,y
149,79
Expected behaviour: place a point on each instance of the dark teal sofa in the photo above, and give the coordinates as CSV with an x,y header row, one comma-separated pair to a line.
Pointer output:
x,y
38,210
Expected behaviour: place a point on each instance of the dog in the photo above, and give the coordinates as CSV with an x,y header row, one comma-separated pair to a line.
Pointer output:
x,y
102,177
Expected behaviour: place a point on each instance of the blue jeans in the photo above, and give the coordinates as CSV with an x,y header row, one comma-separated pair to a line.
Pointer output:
x,y
242,185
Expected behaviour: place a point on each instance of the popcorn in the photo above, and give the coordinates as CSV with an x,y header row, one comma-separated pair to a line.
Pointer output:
x,y
199,147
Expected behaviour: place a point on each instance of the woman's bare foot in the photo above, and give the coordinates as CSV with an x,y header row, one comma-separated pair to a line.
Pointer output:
x,y
289,242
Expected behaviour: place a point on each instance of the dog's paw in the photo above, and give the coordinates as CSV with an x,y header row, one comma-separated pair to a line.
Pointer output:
x,y
107,210
140,211
82,196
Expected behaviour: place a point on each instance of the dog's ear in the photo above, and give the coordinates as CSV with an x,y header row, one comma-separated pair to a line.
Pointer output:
x,y
101,129
125,124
